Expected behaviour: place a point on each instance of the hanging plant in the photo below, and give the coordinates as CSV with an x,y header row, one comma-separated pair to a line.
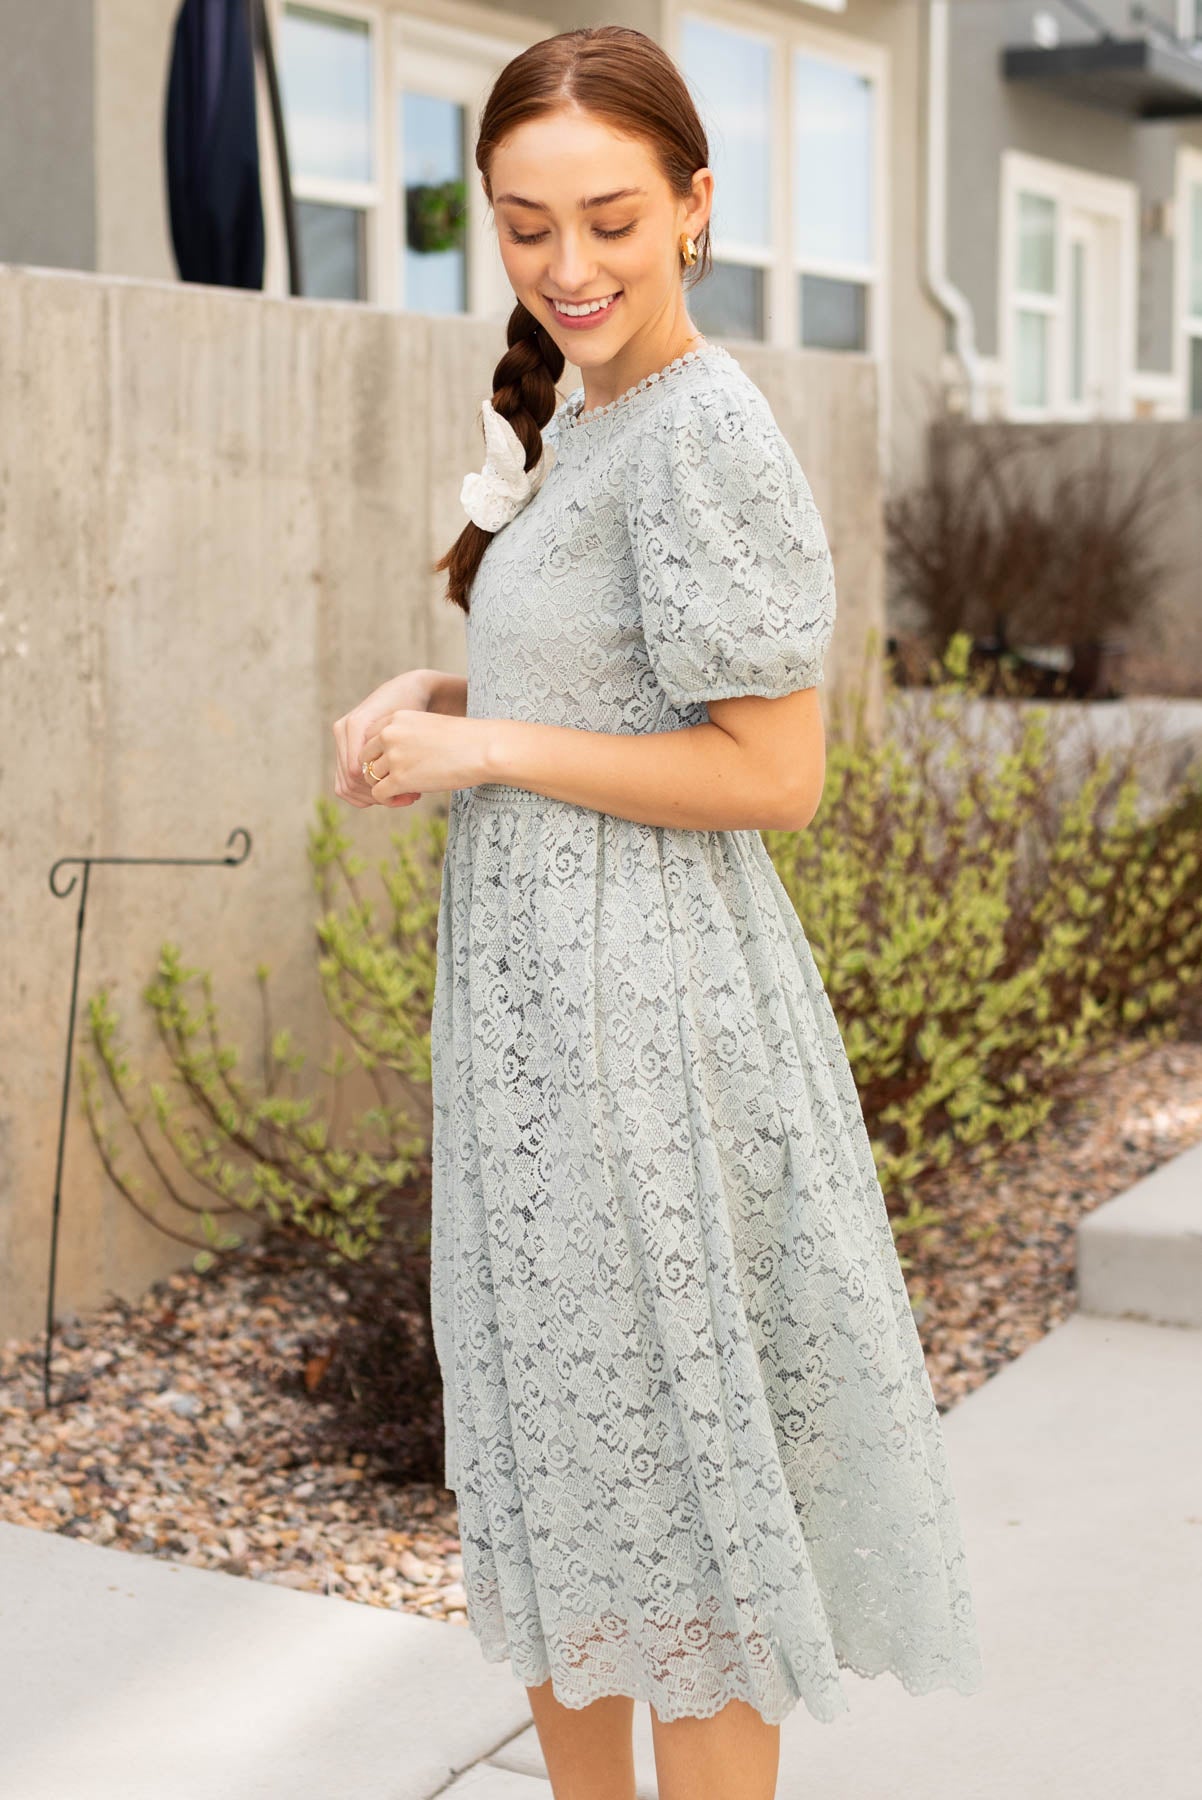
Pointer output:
x,y
435,215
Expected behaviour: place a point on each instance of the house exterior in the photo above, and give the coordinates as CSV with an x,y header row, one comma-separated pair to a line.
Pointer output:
x,y
1073,207
1001,209
813,110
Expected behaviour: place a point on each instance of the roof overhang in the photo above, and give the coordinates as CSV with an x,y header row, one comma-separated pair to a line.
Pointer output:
x,y
1139,77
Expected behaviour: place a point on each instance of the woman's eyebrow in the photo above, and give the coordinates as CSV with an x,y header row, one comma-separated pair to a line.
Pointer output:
x,y
596,200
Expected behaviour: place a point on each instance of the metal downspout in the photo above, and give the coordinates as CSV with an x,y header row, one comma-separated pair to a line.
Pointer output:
x,y
949,297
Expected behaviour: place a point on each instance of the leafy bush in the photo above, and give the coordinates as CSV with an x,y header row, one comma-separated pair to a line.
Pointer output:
x,y
257,1148
979,937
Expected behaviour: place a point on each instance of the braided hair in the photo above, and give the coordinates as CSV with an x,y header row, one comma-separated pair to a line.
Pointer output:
x,y
625,78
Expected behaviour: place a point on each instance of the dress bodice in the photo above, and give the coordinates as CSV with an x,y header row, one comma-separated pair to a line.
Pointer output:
x,y
672,555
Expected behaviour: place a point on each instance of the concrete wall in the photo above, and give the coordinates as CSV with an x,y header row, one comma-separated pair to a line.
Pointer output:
x,y
219,512
987,114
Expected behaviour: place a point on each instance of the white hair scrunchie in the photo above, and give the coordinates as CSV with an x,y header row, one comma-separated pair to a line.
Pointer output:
x,y
495,495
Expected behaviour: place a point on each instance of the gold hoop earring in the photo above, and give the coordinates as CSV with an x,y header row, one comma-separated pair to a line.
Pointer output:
x,y
688,250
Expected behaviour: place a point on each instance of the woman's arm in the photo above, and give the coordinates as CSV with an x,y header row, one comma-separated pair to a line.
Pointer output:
x,y
448,693
757,764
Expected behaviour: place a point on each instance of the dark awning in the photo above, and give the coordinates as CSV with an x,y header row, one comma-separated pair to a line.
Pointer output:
x,y
1140,77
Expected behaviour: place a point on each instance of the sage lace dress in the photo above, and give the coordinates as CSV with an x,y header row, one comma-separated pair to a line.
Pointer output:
x,y
688,1422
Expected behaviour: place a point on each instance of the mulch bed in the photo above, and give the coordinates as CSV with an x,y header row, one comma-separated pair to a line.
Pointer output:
x,y
184,1428
1000,1269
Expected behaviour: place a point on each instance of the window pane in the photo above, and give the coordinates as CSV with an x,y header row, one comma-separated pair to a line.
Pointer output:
x,y
434,202
1032,369
731,75
333,261
1195,238
1195,376
325,75
832,161
1077,320
1036,244
729,302
834,314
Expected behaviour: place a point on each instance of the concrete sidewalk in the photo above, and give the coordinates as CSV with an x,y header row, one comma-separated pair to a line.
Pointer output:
x,y
1079,1474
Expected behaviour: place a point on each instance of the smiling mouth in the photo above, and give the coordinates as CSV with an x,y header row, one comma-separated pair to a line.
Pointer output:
x,y
582,309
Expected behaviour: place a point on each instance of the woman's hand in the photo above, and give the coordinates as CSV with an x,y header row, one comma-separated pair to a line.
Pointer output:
x,y
413,691
422,752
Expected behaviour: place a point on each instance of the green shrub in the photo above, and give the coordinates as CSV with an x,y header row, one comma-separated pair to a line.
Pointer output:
x,y
978,938
265,1148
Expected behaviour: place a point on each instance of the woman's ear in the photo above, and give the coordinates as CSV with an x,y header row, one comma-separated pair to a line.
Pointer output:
x,y
698,215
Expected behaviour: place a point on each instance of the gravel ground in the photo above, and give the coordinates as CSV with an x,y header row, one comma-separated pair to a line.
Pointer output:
x,y
180,1432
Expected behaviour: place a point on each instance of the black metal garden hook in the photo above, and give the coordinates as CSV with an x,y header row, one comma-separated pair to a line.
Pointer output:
x,y
229,860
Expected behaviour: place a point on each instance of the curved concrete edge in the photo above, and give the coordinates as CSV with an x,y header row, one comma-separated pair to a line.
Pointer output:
x,y
1140,1256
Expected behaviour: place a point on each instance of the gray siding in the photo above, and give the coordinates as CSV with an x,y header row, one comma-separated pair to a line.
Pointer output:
x,y
987,114
47,140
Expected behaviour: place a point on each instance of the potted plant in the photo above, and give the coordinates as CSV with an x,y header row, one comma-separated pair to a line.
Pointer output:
x,y
435,215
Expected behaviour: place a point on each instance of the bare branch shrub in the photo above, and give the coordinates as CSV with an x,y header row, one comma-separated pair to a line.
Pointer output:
x,y
1004,538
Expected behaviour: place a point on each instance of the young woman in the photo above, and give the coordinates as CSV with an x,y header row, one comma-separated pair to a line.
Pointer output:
x,y
689,1425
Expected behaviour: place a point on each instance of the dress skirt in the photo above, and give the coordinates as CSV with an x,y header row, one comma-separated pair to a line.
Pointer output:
x,y
689,1426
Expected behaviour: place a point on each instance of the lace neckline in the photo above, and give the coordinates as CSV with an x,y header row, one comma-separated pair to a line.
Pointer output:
x,y
576,422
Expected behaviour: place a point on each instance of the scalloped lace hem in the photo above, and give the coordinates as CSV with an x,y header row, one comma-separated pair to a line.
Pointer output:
x,y
955,1680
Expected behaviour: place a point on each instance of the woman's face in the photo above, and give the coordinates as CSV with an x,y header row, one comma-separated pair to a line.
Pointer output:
x,y
623,249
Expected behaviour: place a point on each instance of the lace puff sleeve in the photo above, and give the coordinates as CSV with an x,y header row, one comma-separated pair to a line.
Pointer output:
x,y
736,581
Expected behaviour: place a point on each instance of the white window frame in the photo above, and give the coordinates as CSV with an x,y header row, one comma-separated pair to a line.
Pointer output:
x,y
364,196
448,56
446,35
1186,325
868,275
769,36
783,267
1072,189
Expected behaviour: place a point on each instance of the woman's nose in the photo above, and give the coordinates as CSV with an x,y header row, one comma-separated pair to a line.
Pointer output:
x,y
572,270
